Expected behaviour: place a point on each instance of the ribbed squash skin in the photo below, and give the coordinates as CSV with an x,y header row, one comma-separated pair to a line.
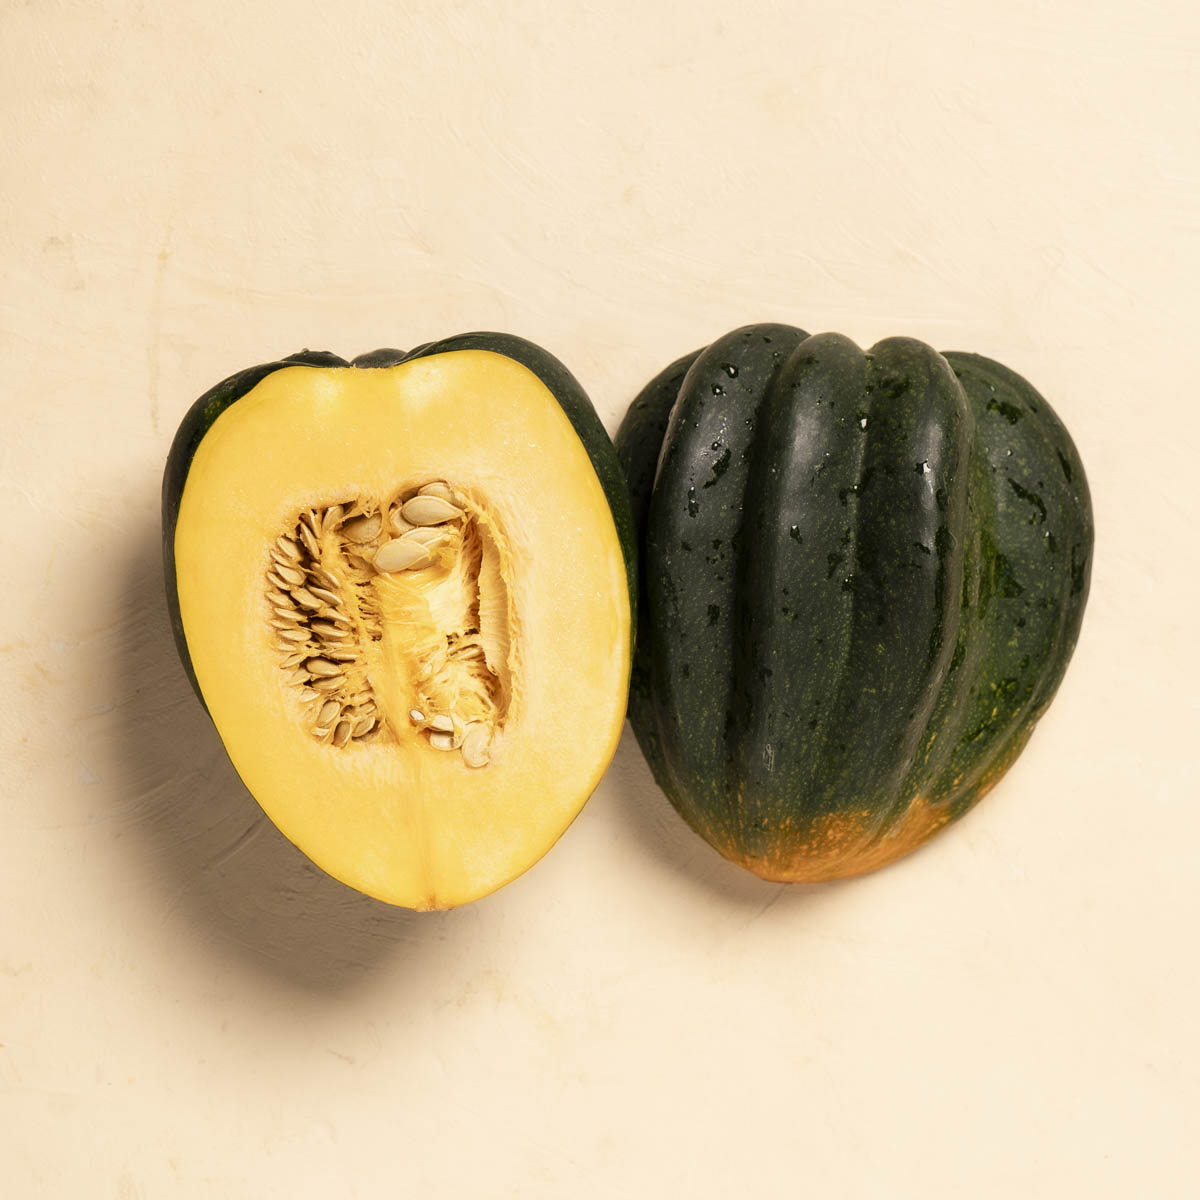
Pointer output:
x,y
862,578
561,383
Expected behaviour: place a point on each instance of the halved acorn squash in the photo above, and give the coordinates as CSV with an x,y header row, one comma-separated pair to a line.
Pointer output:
x,y
402,588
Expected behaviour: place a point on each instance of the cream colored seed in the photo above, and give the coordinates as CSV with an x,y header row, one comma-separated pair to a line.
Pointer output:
x,y
475,745
277,581
363,725
295,634
440,489
311,519
328,683
290,574
304,596
311,544
442,724
329,629
328,578
429,510
329,712
278,599
299,675
427,535
342,654
442,741
333,515
321,666
330,598
416,716
294,659
341,735
363,529
401,555
288,547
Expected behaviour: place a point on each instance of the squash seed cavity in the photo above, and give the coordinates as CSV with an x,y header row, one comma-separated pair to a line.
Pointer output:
x,y
394,616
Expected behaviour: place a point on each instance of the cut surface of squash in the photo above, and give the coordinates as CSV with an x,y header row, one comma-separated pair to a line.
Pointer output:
x,y
404,599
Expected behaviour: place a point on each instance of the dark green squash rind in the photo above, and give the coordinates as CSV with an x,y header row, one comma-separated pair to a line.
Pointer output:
x,y
693,535
987,648
1037,536
637,442
850,607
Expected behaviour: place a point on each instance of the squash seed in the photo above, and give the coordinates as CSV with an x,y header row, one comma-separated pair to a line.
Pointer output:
x,y
296,634
416,716
363,529
401,555
429,510
303,596
362,725
321,666
288,547
440,489
328,683
341,735
325,577
427,535
290,574
328,629
309,539
442,741
330,598
442,724
475,745
333,515
329,712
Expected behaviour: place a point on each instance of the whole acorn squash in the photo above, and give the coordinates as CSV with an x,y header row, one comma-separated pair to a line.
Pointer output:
x,y
862,578
402,587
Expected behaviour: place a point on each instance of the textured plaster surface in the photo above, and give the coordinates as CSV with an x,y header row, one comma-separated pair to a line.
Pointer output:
x,y
187,1007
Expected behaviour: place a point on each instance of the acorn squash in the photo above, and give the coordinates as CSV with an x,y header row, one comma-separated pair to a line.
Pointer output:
x,y
402,588
862,578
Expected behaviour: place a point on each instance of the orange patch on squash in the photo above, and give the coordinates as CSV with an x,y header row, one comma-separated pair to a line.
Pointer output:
x,y
843,844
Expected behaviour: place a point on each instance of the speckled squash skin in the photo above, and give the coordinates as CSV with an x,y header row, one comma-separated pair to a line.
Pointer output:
x,y
862,577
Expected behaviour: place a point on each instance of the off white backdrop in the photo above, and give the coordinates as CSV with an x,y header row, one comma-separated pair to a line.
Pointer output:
x,y
189,1009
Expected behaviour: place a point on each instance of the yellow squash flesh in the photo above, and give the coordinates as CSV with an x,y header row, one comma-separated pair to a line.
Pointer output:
x,y
394,818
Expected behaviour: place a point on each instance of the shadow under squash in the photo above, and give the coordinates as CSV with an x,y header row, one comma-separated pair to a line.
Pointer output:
x,y
220,862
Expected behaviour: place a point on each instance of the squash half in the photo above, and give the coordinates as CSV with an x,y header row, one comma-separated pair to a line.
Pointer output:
x,y
402,589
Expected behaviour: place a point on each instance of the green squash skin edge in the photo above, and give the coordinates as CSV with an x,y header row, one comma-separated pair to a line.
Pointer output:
x,y
565,389
907,545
